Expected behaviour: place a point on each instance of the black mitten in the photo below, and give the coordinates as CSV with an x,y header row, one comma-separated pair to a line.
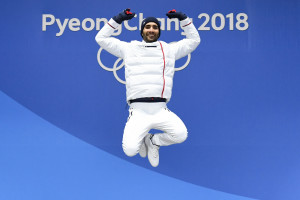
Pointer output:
x,y
125,15
173,14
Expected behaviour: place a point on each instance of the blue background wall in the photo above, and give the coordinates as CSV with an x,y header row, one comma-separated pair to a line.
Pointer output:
x,y
62,116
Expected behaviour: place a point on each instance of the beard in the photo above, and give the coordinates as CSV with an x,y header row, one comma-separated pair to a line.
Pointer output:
x,y
150,37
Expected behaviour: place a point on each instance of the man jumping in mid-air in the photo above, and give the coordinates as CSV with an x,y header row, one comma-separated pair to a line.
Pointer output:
x,y
149,71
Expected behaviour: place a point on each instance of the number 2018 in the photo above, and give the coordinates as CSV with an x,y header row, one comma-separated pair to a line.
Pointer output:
x,y
241,21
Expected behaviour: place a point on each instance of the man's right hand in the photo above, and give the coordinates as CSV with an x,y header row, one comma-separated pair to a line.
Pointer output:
x,y
125,15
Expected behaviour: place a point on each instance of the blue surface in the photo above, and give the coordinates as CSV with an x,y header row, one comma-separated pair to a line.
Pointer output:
x,y
41,161
239,97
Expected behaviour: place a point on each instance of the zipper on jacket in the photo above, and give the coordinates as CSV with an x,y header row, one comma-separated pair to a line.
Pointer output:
x,y
162,93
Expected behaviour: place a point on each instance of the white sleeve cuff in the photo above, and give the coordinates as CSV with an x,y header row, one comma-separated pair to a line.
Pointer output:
x,y
185,22
112,23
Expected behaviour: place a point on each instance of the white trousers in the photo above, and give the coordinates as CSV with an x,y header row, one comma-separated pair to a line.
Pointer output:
x,y
146,116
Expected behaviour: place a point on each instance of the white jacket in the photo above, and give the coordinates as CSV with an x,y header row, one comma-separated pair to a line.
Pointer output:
x,y
149,67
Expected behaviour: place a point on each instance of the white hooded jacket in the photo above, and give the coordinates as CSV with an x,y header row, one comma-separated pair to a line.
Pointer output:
x,y
149,67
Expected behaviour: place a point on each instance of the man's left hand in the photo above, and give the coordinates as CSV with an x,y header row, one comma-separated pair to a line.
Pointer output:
x,y
174,14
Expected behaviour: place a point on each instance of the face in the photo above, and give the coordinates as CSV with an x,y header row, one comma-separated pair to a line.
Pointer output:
x,y
150,32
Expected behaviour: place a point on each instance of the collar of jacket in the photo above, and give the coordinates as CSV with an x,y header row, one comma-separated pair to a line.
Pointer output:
x,y
150,44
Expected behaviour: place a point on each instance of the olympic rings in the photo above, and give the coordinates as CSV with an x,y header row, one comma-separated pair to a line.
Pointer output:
x,y
185,64
115,68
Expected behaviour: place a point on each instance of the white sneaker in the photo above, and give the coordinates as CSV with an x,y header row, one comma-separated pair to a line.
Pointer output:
x,y
143,149
152,151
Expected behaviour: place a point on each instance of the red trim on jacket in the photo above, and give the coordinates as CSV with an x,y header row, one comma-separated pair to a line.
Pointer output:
x,y
162,93
187,24
111,25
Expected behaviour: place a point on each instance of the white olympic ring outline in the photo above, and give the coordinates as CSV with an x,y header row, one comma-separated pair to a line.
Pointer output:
x,y
116,67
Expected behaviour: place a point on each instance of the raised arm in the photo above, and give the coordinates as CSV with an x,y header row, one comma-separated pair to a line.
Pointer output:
x,y
111,44
192,40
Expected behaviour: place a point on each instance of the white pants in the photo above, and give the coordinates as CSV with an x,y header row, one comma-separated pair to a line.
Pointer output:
x,y
146,116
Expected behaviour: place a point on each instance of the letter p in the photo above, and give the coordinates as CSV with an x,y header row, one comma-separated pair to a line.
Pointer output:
x,y
45,23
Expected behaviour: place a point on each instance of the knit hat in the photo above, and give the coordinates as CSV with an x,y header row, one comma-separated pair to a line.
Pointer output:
x,y
147,20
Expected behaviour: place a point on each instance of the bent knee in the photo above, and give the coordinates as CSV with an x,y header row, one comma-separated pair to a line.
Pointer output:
x,y
181,136
130,150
